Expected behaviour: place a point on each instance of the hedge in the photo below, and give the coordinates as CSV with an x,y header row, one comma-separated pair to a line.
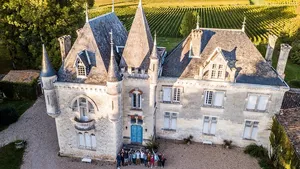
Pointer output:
x,y
8,115
19,91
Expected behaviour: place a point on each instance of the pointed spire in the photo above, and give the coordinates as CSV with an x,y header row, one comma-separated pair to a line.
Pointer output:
x,y
86,13
244,24
154,50
197,27
140,3
113,6
113,69
47,69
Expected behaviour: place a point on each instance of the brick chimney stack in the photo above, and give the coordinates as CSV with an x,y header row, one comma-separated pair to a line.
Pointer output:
x,y
283,56
270,48
65,46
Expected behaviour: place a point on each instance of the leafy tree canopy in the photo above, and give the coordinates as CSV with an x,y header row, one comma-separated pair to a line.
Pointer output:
x,y
188,23
25,25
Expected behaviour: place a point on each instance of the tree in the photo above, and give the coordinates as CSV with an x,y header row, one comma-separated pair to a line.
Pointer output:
x,y
90,3
25,25
188,23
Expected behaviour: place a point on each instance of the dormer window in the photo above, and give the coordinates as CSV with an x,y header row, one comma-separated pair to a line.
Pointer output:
x,y
82,64
217,71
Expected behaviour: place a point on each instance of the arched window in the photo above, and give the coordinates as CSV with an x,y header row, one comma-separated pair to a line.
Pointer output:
x,y
84,109
136,99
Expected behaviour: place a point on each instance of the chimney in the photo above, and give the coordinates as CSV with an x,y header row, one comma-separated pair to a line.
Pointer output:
x,y
270,48
65,46
283,56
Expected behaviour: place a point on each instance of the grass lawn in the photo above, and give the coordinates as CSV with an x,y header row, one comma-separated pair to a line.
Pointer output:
x,y
20,106
167,42
10,157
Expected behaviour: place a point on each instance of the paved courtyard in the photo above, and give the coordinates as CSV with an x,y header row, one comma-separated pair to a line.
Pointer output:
x,y
38,129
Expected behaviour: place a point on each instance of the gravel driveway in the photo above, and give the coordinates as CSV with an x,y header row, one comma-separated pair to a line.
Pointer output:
x,y
39,130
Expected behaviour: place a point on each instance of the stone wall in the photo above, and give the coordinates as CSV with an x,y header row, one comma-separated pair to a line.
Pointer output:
x,y
230,119
108,134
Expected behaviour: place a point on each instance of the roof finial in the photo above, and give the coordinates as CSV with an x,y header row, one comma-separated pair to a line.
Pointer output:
x,y
197,27
244,24
86,13
113,6
140,3
154,50
111,43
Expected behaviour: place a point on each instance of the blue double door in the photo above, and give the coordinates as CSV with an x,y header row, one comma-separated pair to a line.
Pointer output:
x,y
136,134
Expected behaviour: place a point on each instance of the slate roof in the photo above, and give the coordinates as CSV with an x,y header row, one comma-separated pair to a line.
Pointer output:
x,y
94,37
235,45
139,43
113,69
47,69
290,120
21,76
291,99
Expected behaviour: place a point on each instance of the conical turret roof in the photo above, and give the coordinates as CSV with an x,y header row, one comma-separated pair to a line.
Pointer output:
x,y
47,69
113,74
139,43
154,50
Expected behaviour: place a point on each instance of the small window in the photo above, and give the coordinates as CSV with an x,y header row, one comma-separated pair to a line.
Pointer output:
x,y
251,129
171,94
87,141
217,71
136,100
214,98
209,125
170,121
257,102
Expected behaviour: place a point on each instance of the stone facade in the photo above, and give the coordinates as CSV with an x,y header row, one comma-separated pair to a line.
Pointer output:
x,y
207,87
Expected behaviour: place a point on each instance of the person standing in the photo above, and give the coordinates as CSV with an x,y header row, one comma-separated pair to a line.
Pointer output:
x,y
146,159
130,157
126,158
142,156
163,160
159,160
134,158
119,160
152,161
138,157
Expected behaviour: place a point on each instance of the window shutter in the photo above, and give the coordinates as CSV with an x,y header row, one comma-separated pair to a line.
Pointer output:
x,y
167,121
167,94
139,100
134,100
218,100
205,125
247,129
176,97
262,103
174,121
251,102
93,141
87,140
254,130
208,97
213,125
81,140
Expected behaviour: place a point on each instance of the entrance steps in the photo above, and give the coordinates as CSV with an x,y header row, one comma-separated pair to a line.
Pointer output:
x,y
133,147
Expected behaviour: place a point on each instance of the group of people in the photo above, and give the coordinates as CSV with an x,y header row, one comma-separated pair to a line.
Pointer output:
x,y
140,157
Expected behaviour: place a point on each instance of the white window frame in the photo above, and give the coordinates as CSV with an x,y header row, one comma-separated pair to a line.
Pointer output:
x,y
80,64
89,109
254,125
212,120
169,119
87,140
215,71
175,95
136,100
210,102
256,106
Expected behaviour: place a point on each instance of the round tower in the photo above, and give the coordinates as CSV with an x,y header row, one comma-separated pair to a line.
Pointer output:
x,y
48,77
114,86
153,73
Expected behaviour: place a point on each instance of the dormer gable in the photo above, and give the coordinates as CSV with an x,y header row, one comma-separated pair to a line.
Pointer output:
x,y
195,45
83,64
218,67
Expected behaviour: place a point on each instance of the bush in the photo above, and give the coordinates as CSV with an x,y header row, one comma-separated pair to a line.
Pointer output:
x,y
152,144
265,163
294,83
256,151
188,140
8,115
19,91
227,144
